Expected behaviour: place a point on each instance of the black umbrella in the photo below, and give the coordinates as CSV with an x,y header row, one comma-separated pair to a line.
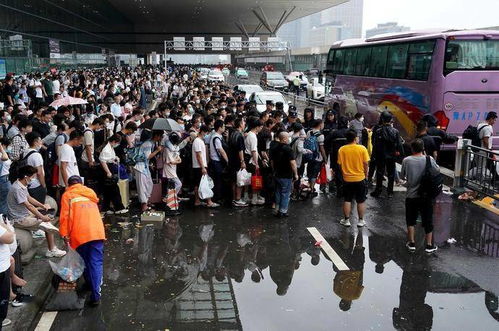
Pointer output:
x,y
147,124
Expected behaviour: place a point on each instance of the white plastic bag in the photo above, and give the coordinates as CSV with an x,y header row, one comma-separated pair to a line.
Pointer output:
x,y
243,178
205,187
70,267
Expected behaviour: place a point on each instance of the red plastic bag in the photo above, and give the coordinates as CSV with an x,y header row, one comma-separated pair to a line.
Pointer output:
x,y
256,181
322,178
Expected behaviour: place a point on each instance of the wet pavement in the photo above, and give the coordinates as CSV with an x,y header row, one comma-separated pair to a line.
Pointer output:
x,y
231,269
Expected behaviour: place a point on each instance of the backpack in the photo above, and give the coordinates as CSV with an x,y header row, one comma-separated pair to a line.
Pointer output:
x,y
16,165
473,133
134,155
431,183
52,152
311,143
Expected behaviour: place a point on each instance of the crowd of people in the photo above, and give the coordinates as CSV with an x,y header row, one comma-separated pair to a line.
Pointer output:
x,y
253,158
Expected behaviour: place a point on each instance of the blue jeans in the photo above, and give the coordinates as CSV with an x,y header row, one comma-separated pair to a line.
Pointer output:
x,y
92,253
4,189
282,193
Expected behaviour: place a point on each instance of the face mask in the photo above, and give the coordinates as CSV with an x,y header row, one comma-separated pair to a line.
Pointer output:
x,y
198,101
8,150
190,109
8,118
361,119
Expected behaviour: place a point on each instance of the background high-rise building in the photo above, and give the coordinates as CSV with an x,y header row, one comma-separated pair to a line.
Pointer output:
x,y
389,27
322,29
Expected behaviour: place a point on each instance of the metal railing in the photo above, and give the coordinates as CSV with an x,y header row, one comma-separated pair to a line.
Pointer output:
x,y
477,169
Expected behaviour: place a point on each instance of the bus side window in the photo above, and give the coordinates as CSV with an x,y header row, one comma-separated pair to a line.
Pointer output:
x,y
338,61
419,66
349,61
378,61
397,61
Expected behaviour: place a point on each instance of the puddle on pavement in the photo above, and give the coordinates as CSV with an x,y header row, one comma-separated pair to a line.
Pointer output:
x,y
213,270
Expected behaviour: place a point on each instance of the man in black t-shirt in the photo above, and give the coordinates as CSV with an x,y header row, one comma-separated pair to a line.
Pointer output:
x,y
430,146
284,165
8,92
236,159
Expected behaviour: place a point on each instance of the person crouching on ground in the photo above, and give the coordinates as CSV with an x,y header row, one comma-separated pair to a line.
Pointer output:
x,y
82,228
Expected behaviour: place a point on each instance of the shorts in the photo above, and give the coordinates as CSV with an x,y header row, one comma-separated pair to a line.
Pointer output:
x,y
196,176
313,169
355,191
30,223
417,206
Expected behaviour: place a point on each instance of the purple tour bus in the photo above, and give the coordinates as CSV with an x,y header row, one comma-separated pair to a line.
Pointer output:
x,y
453,75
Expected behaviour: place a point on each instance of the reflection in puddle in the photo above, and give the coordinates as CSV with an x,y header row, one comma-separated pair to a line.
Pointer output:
x,y
183,274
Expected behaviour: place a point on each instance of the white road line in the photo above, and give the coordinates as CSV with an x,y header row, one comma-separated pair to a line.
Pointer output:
x,y
335,258
46,321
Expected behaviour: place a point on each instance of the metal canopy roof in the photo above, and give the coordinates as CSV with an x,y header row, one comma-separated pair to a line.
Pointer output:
x,y
141,26
200,17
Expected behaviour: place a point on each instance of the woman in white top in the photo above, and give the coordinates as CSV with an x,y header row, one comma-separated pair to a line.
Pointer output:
x,y
5,163
7,237
110,166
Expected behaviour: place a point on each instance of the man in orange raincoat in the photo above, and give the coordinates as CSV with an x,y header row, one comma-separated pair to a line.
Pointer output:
x,y
82,228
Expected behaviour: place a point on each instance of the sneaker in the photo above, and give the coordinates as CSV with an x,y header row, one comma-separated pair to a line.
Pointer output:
x,y
430,248
361,223
56,252
21,299
389,195
257,201
261,200
6,322
239,203
411,246
109,212
48,227
121,212
213,205
345,222
183,199
38,234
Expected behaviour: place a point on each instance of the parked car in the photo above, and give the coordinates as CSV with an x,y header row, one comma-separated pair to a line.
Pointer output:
x,y
215,76
303,79
249,89
312,72
315,90
273,79
261,99
241,74
226,71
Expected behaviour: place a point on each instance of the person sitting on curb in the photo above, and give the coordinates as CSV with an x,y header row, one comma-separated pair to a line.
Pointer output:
x,y
24,212
82,228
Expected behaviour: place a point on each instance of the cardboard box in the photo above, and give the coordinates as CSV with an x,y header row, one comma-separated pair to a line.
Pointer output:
x,y
155,218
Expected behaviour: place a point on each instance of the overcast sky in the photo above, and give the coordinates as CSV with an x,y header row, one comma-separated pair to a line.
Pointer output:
x,y
421,14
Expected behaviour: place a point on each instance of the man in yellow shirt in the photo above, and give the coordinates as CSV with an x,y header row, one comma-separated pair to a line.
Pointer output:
x,y
353,160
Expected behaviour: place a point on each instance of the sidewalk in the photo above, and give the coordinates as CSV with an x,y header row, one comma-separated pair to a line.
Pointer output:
x,y
38,275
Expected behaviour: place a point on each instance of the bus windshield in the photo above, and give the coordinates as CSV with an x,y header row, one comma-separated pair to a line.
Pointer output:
x,y
472,55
